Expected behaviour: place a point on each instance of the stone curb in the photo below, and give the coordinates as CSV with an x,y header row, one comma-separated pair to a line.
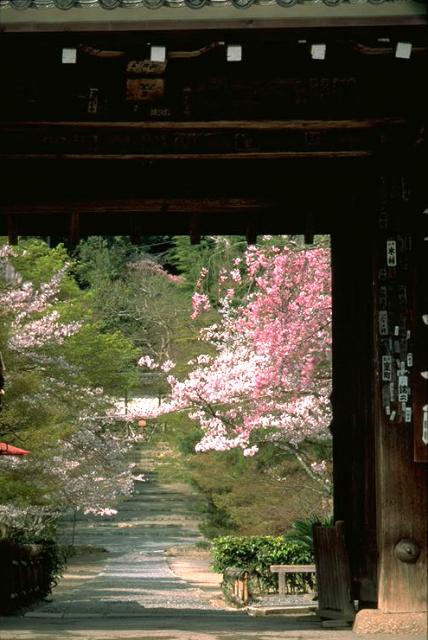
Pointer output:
x,y
40,614
148,613
271,611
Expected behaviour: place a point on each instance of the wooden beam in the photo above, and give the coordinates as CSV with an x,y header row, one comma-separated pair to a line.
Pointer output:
x,y
34,24
150,157
168,206
217,140
259,125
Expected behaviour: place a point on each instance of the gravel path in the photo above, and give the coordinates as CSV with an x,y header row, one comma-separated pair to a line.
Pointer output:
x,y
136,575
134,595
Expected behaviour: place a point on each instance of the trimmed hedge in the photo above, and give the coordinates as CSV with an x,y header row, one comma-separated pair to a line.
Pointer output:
x,y
255,554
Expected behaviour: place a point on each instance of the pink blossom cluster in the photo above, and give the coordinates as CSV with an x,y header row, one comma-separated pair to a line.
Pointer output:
x,y
200,303
150,363
34,323
319,467
175,279
23,299
37,333
6,251
100,511
271,370
89,471
167,365
147,361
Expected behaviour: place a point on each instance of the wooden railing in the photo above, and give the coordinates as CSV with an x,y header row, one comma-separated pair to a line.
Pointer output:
x,y
284,570
25,575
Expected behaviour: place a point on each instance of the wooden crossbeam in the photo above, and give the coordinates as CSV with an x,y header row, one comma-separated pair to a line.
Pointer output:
x,y
164,206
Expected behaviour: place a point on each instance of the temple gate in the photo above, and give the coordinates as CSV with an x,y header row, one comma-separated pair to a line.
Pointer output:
x,y
254,118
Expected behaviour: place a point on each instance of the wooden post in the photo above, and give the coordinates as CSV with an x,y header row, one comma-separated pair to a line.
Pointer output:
x,y
12,230
402,516
195,229
245,593
352,426
135,226
281,584
251,230
333,573
420,374
402,488
309,229
401,483
74,229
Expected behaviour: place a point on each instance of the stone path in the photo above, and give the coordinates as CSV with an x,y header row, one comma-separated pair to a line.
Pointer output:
x,y
134,595
136,575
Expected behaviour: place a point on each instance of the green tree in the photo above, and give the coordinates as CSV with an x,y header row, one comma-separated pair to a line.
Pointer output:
x,y
54,387
133,294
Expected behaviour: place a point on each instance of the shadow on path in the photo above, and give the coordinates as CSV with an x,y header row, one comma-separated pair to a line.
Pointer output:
x,y
134,593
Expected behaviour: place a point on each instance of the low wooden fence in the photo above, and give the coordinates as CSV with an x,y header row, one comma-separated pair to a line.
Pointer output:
x,y
333,573
24,575
235,582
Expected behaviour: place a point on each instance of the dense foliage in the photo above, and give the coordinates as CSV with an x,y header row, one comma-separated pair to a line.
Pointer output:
x,y
59,374
255,554
245,371
131,293
302,530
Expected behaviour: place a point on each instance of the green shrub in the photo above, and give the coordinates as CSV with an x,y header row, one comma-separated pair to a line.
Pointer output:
x,y
301,530
256,553
55,561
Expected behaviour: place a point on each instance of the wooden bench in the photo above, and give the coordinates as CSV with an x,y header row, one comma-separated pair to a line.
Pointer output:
x,y
282,569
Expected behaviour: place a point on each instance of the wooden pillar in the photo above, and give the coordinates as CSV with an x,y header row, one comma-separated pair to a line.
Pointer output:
x,y
135,226
401,483
74,229
12,230
352,427
420,432
251,230
195,229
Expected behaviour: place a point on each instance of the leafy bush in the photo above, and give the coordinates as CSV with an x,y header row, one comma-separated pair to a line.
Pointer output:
x,y
35,527
301,530
27,524
55,561
255,554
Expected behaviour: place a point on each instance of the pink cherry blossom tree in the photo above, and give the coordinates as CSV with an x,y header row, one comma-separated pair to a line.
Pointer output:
x,y
34,322
269,377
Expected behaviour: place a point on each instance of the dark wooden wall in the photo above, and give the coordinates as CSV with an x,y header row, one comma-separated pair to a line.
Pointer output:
x,y
277,79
